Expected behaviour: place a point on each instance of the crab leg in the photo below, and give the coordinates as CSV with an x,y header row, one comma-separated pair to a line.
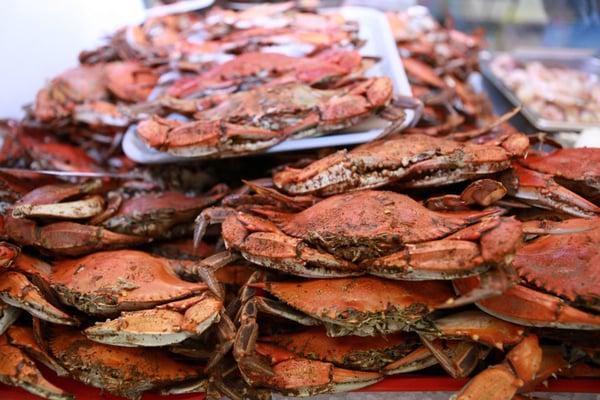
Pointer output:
x,y
17,369
164,325
458,357
79,209
17,291
454,257
416,360
8,315
525,306
502,381
50,194
23,338
542,191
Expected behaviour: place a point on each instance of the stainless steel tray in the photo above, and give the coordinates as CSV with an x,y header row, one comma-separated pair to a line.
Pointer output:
x,y
580,59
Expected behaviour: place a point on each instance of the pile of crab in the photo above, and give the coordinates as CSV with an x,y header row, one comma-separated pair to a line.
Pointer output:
x,y
457,246
188,84
406,253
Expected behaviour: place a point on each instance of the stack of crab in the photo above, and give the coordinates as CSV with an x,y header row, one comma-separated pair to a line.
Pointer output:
x,y
451,246
190,84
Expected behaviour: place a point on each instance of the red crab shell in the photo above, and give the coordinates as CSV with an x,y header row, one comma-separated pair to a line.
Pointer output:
x,y
566,265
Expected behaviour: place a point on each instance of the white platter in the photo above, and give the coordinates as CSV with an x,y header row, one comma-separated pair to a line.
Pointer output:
x,y
375,29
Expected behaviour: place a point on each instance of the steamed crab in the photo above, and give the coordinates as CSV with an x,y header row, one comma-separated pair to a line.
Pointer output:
x,y
377,232
411,161
400,352
253,69
152,304
114,223
128,81
257,119
559,279
124,371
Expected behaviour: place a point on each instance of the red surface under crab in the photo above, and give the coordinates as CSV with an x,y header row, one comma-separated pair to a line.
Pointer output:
x,y
404,383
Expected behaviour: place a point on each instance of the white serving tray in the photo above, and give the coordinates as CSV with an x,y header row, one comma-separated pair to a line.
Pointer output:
x,y
374,28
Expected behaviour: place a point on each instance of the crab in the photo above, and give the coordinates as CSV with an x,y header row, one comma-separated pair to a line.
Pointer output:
x,y
124,371
152,305
397,353
293,375
577,169
257,119
122,223
410,161
377,232
362,306
253,69
352,352
559,280
541,190
128,81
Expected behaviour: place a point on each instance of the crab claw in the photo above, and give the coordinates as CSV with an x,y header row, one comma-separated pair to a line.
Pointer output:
x,y
17,369
541,190
17,291
501,382
167,324
522,305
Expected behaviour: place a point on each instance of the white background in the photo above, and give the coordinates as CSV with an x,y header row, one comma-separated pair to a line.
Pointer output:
x,y
41,38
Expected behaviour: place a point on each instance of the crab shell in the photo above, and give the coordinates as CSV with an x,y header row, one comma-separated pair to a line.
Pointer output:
x,y
354,352
155,215
412,160
368,224
566,265
560,280
73,86
105,283
364,306
124,371
260,118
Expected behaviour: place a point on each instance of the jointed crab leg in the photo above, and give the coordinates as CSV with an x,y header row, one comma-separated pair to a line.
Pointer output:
x,y
17,369
542,191
79,209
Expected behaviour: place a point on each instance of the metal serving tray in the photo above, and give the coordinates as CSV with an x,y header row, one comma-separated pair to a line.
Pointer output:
x,y
580,59
375,30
